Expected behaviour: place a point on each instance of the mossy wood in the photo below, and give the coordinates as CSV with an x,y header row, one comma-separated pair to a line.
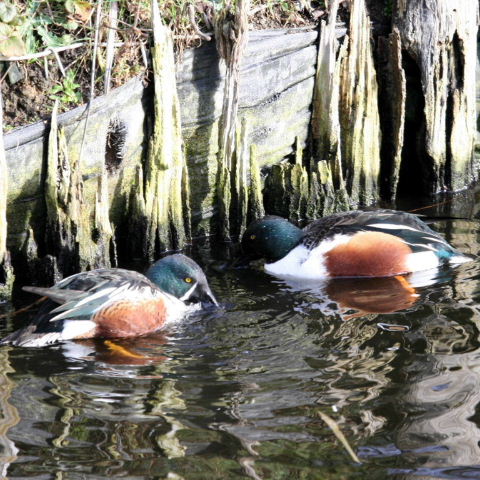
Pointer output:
x,y
429,89
6,273
136,191
231,34
165,163
78,234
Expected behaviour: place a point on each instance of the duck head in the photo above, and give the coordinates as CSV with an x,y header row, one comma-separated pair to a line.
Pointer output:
x,y
181,277
271,238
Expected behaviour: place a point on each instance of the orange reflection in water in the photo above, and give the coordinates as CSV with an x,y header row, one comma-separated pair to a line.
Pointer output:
x,y
131,351
372,295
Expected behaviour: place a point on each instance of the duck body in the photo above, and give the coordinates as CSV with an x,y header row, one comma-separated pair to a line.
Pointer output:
x,y
378,243
114,303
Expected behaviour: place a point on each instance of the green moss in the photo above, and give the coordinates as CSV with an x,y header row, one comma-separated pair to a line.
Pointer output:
x,y
255,197
6,271
165,163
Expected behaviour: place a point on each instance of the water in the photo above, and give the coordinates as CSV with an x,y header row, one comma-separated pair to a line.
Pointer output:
x,y
237,393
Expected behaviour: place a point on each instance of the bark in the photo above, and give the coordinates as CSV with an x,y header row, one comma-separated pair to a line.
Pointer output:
x,y
165,165
439,44
345,121
6,272
78,236
231,34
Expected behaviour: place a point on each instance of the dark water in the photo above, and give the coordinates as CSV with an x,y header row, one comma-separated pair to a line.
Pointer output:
x,y
238,393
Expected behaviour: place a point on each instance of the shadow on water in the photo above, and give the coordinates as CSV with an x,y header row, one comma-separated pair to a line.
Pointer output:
x,y
237,392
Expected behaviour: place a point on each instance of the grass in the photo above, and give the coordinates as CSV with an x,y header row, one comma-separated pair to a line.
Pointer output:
x,y
31,26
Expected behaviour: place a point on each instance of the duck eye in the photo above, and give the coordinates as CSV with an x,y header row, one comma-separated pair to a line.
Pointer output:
x,y
188,279
253,237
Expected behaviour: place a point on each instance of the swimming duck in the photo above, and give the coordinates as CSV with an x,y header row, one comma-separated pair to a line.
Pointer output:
x,y
378,243
115,303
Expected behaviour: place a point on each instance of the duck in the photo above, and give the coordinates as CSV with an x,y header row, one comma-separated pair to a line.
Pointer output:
x,y
111,303
358,243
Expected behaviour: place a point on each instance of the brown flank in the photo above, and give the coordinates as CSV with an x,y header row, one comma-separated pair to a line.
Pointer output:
x,y
130,319
368,254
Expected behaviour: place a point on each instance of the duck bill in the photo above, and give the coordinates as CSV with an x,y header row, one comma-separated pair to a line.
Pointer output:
x,y
204,295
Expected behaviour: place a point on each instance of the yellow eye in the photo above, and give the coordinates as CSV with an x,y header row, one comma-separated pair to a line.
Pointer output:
x,y
253,237
188,279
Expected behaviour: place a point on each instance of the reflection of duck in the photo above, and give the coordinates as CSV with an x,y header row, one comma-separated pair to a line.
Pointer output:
x,y
373,295
113,303
147,350
377,243
369,295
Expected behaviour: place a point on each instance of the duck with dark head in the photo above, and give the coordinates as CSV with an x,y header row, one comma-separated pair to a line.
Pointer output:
x,y
115,303
378,243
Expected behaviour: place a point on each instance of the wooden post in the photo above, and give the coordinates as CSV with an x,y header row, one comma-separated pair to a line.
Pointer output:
x,y
440,39
345,120
165,165
359,118
231,34
6,272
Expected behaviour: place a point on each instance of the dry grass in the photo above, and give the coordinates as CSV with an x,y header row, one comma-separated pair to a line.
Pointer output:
x,y
31,28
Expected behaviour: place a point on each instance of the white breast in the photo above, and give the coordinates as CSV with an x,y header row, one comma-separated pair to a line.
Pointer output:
x,y
304,263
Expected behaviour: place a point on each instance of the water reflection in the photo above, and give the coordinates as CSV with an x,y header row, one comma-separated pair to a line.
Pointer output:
x,y
236,393
10,417
438,391
137,351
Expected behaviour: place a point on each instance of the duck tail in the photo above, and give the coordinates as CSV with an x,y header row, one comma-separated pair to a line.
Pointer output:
x,y
459,258
58,295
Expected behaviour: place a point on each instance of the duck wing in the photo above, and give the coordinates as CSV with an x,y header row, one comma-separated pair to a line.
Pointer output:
x,y
406,226
82,295
77,298
57,295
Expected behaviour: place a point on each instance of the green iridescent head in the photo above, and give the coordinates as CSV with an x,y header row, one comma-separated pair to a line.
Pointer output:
x,y
271,238
181,277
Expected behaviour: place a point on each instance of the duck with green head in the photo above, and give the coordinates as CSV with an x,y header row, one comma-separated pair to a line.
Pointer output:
x,y
379,243
115,303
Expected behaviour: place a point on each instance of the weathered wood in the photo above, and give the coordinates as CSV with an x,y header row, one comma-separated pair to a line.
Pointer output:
x,y
267,101
345,120
231,35
3,191
392,114
255,196
359,118
440,39
287,189
165,161
325,117
6,272
78,236
240,191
